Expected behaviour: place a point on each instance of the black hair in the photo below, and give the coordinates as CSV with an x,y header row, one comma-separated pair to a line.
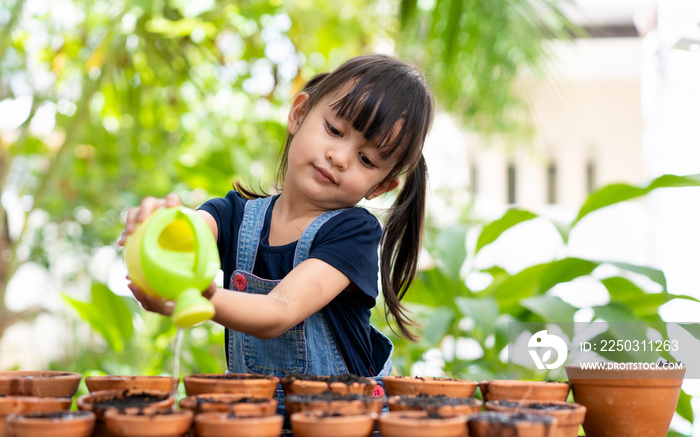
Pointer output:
x,y
389,102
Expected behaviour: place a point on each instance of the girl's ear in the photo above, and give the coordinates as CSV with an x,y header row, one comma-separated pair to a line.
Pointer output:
x,y
384,187
298,112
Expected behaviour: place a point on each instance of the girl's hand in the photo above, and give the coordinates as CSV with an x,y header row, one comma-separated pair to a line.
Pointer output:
x,y
148,205
152,303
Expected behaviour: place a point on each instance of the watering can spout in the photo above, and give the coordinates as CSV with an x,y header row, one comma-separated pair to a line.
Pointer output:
x,y
173,255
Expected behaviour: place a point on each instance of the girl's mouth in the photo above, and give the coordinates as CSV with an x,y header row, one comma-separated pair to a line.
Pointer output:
x,y
324,175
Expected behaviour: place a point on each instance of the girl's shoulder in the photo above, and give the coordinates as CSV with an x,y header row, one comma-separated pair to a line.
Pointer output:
x,y
352,223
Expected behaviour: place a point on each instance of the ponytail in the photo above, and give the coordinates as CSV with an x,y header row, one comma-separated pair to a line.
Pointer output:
x,y
401,246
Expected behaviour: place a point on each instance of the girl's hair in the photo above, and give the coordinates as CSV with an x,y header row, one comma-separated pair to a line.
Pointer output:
x,y
389,101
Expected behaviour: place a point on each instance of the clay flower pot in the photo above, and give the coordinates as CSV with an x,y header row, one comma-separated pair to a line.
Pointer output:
x,y
316,384
496,423
153,424
422,423
141,382
30,404
638,402
333,403
514,390
568,414
57,424
263,386
228,425
445,405
127,400
237,404
406,385
39,383
322,424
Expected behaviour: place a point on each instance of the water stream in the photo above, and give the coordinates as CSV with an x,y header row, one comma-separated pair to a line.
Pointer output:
x,y
177,351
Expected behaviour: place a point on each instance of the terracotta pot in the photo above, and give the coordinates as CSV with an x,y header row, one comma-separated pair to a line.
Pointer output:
x,y
515,390
57,424
153,424
568,414
29,404
333,403
626,401
322,424
406,385
496,423
445,405
127,400
39,383
227,425
421,423
240,405
316,384
263,386
140,382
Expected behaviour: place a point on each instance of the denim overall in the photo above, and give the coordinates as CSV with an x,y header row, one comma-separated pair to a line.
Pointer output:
x,y
309,347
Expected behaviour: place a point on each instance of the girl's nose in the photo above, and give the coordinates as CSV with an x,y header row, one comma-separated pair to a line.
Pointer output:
x,y
338,156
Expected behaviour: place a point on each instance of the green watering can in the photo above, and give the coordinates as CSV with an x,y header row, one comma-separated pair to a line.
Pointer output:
x,y
173,255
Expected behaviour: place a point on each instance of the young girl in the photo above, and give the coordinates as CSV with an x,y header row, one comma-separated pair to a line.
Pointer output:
x,y
301,268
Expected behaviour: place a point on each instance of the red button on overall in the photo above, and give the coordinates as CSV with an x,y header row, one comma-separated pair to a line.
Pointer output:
x,y
240,282
378,391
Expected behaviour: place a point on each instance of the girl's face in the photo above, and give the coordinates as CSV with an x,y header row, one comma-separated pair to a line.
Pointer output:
x,y
330,164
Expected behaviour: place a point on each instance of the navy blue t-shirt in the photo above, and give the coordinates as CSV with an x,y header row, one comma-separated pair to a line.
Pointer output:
x,y
348,242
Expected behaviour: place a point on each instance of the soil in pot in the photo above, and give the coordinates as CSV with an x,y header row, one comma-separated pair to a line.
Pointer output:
x,y
148,424
515,390
625,401
56,424
140,382
263,386
569,415
240,405
332,403
127,400
323,424
29,404
230,425
440,403
316,384
422,423
46,383
502,424
407,385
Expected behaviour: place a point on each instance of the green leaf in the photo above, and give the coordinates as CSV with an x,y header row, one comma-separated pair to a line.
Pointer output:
x,y
433,288
94,318
483,310
615,312
519,286
108,314
494,229
684,408
452,250
114,309
655,275
438,325
552,309
627,293
616,193
565,270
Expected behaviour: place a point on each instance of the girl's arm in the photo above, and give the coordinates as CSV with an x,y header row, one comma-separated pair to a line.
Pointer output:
x,y
305,290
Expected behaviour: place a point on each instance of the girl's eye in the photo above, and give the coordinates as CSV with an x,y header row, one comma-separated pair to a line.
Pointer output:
x,y
366,161
333,131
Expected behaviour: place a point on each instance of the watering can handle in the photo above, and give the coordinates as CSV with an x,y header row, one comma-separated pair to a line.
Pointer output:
x,y
187,217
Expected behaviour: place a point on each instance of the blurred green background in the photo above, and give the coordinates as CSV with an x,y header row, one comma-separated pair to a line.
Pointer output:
x,y
116,100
